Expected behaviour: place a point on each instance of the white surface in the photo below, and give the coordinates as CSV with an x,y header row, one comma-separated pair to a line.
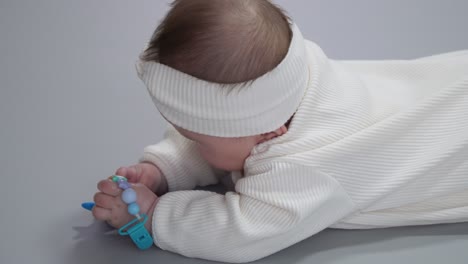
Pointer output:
x,y
72,110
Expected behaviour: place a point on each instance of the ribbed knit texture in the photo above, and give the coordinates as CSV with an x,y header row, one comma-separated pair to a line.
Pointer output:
x,y
373,144
186,175
211,109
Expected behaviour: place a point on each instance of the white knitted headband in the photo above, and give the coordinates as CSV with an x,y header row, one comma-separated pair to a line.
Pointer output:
x,y
210,109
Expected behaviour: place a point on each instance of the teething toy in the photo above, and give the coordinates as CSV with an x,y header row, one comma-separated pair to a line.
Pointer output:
x,y
135,228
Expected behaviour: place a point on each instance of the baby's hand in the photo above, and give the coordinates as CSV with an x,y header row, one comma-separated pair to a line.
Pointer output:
x,y
147,174
110,207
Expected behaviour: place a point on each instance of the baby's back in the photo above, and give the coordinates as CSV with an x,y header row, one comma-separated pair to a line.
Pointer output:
x,y
394,134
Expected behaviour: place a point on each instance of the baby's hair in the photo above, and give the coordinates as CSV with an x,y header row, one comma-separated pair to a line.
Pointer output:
x,y
221,41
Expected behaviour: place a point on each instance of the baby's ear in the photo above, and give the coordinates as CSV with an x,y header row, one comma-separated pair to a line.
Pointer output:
x,y
284,129
278,132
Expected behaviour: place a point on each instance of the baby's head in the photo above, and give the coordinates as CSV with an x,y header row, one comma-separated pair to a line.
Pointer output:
x,y
221,41
226,42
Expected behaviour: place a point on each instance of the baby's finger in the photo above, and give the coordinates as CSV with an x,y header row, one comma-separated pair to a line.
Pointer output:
x,y
109,187
122,171
104,200
102,214
130,173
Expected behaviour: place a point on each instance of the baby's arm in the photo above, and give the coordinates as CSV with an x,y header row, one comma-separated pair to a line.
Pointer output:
x,y
180,163
278,205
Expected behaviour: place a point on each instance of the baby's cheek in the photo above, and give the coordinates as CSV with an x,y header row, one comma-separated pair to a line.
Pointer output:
x,y
204,152
212,156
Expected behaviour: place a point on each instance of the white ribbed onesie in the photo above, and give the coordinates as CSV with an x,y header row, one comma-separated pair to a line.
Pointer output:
x,y
373,144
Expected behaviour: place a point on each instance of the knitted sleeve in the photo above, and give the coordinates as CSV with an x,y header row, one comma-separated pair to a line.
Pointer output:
x,y
277,206
180,163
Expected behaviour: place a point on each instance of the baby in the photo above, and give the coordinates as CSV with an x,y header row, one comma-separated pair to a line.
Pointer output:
x,y
307,142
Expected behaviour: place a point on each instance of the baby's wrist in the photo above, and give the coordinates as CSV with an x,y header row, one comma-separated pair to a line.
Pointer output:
x,y
162,188
149,213
159,186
